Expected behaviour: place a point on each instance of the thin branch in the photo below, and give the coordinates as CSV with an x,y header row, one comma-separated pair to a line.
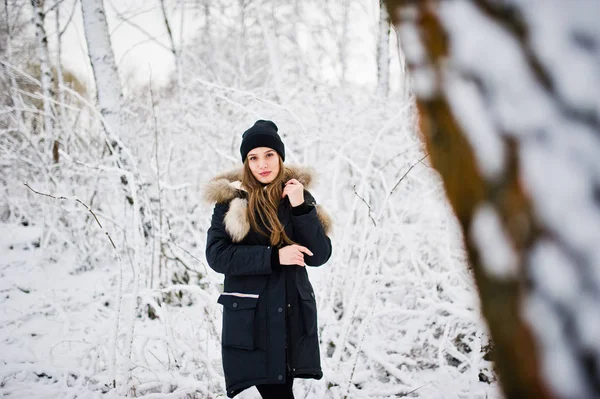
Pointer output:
x,y
164,11
86,207
134,46
404,175
414,390
366,203
139,28
49,10
69,20
172,241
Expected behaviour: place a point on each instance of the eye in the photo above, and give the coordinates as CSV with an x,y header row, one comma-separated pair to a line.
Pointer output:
x,y
252,158
270,154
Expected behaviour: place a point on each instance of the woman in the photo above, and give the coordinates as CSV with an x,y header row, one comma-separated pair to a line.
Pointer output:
x,y
265,228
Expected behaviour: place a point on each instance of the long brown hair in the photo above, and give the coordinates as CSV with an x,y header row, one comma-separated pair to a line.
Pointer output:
x,y
264,202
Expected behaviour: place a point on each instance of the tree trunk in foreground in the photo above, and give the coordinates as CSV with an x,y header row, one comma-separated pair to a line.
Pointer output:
x,y
507,94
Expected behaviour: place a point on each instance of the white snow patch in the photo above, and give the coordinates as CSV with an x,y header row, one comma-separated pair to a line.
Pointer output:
x,y
480,46
554,273
587,319
424,81
411,44
471,113
558,365
498,256
557,36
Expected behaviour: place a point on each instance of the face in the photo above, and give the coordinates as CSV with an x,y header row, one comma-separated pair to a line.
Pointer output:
x,y
264,164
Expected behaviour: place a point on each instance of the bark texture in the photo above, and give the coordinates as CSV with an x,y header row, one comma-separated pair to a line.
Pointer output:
x,y
108,86
466,103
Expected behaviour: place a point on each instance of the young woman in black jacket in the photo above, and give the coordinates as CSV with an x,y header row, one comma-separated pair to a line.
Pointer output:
x,y
266,228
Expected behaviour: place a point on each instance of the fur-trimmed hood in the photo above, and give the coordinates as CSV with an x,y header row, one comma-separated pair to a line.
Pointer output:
x,y
227,187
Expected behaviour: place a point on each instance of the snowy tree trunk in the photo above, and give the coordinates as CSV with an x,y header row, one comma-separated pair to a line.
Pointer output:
x,y
15,96
508,99
61,82
45,69
274,58
300,64
181,44
343,42
241,42
404,85
207,35
383,52
106,76
243,5
172,43
110,99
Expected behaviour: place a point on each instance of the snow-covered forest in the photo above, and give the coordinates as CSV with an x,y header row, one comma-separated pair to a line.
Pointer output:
x,y
456,145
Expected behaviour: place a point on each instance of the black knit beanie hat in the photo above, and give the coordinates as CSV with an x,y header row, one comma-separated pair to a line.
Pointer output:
x,y
262,134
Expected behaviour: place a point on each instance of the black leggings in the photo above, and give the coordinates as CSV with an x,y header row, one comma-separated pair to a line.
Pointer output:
x,y
277,391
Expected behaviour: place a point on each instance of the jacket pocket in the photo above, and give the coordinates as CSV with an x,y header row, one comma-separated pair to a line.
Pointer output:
x,y
308,310
239,314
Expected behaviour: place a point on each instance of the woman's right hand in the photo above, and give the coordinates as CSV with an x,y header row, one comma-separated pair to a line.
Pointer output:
x,y
293,255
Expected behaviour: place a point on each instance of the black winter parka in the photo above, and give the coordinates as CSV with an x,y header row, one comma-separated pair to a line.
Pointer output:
x,y
269,310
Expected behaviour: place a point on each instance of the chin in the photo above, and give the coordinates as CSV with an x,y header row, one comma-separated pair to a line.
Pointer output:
x,y
262,179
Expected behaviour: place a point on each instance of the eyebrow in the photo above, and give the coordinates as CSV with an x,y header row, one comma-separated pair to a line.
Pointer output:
x,y
253,153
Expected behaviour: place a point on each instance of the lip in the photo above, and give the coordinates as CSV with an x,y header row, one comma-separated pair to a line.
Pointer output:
x,y
265,173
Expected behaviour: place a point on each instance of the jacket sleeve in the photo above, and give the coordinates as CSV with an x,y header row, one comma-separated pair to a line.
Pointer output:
x,y
231,259
309,232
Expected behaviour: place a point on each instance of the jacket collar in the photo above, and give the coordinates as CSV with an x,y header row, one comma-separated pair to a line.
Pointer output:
x,y
226,187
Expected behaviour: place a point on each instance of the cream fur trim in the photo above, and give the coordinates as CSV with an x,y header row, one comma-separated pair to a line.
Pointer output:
x,y
325,219
226,186
237,224
236,220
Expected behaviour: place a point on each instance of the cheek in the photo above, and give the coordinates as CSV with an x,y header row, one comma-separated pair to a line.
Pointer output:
x,y
275,163
253,169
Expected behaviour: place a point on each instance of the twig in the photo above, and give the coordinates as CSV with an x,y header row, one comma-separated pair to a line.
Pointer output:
x,y
53,7
414,390
172,241
366,203
168,26
86,207
75,3
404,175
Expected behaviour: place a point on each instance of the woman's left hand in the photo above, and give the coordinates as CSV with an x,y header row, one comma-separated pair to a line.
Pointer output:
x,y
294,191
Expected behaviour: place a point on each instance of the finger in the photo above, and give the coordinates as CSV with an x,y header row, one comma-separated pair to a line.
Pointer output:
x,y
305,250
